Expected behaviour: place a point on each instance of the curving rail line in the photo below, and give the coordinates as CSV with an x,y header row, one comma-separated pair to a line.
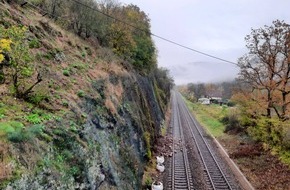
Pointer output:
x,y
214,176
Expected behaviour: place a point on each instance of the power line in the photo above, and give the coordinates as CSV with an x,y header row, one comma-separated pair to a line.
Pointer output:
x,y
200,52
157,36
149,33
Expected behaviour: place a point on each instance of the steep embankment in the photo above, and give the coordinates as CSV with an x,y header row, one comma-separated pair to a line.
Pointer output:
x,y
89,124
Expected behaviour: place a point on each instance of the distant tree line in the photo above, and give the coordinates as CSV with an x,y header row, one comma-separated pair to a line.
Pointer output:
x,y
199,90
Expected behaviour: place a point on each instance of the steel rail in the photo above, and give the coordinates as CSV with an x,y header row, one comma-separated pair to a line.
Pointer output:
x,y
215,174
181,177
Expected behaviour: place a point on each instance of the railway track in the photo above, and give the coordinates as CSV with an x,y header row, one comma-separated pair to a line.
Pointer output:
x,y
180,175
213,173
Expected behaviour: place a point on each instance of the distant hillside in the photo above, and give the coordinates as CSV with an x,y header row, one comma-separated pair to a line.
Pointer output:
x,y
76,111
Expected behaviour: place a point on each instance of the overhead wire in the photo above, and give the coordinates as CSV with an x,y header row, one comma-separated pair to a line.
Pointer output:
x,y
147,32
157,36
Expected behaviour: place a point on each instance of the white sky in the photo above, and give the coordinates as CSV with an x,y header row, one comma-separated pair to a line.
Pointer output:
x,y
216,27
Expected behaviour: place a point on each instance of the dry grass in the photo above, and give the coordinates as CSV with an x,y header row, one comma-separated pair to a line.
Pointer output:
x,y
110,105
5,171
5,167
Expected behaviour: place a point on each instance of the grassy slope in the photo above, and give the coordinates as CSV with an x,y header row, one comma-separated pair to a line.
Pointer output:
x,y
263,170
209,116
69,65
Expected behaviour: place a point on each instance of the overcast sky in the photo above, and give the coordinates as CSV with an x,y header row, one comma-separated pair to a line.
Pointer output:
x,y
216,27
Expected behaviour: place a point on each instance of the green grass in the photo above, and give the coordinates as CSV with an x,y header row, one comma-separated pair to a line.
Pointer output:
x,y
33,118
11,126
209,116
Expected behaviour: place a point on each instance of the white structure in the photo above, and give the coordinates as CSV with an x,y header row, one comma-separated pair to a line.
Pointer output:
x,y
160,159
160,167
157,186
204,101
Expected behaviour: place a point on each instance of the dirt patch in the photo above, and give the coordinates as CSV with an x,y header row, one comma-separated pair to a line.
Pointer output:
x,y
261,168
247,150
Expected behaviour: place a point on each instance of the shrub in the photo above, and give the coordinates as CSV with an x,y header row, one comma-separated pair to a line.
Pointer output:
x,y
233,121
148,182
48,56
47,117
88,50
65,103
269,130
3,109
66,72
148,144
13,130
11,126
83,54
17,136
21,134
35,129
231,104
33,118
34,43
79,65
74,171
38,97
81,93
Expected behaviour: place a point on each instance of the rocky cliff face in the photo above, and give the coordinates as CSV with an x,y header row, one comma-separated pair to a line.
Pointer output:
x,y
95,126
102,142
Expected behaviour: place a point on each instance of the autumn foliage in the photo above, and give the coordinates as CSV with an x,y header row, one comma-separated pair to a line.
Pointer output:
x,y
15,61
264,90
265,70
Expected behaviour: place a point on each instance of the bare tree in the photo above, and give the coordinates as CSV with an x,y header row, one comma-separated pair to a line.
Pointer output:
x,y
266,67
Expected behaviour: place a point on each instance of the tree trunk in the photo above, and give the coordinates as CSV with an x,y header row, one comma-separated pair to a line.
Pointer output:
x,y
29,90
2,76
15,84
270,104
